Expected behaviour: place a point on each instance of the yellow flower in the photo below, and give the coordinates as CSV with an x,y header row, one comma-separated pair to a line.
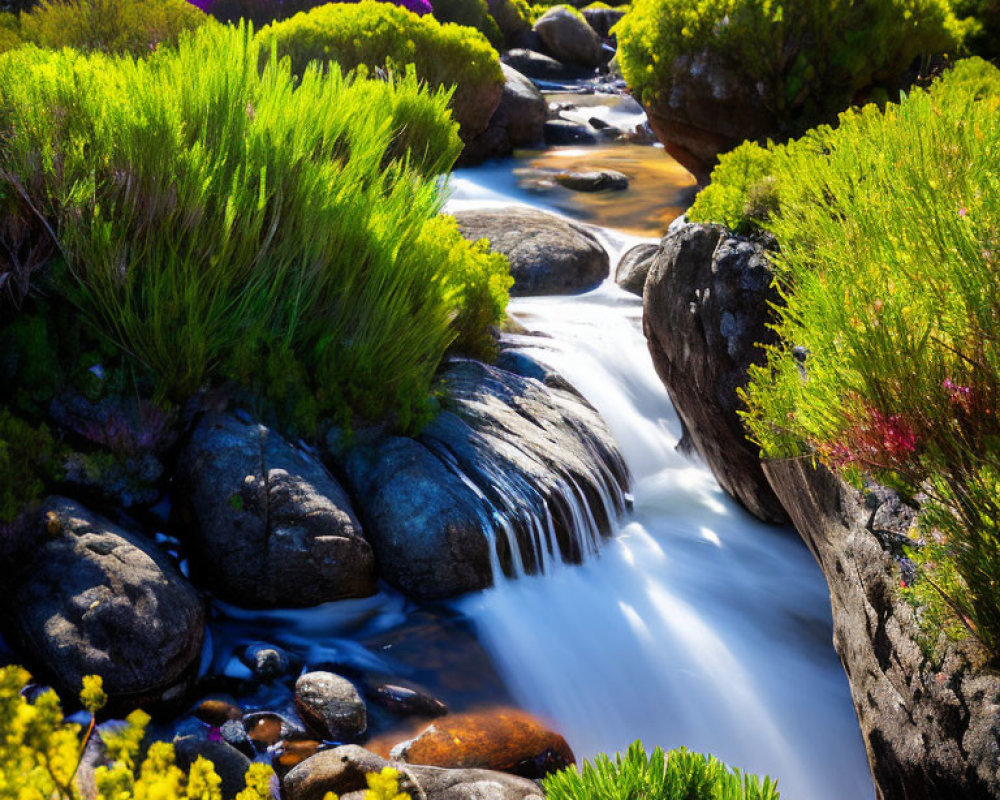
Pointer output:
x,y
93,696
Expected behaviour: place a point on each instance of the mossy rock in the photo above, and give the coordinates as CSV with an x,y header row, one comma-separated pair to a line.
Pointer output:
x,y
379,35
715,73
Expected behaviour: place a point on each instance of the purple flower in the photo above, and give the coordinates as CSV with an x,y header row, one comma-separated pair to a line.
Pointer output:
x,y
204,5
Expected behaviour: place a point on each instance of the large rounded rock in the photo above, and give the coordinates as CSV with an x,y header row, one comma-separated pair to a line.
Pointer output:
x,y
274,527
92,598
634,266
330,706
343,771
230,764
602,20
519,120
503,739
568,38
548,255
499,458
705,314
539,66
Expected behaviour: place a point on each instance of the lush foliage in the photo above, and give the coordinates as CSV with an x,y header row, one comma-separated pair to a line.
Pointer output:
x,y
983,38
677,775
513,17
809,59
379,35
889,361
10,31
115,26
222,223
262,12
471,13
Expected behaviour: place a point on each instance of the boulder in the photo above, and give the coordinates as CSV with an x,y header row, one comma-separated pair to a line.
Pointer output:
x,y
330,706
503,739
930,723
405,700
539,66
711,108
705,311
273,526
568,38
342,771
607,180
634,266
230,764
519,121
506,453
602,20
93,598
548,255
560,132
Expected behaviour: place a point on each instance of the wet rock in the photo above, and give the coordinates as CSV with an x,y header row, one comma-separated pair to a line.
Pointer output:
x,y
275,528
295,752
538,66
331,706
343,770
563,132
234,733
930,724
593,181
406,700
504,448
230,764
634,266
93,598
568,38
267,662
266,728
519,121
705,315
217,712
505,739
548,255
602,20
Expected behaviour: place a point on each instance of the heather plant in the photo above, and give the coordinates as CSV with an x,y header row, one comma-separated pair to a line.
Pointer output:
x,y
888,363
113,26
472,14
229,220
677,775
382,36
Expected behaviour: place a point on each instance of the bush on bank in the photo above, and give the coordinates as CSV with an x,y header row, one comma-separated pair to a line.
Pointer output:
x,y
889,362
472,14
718,72
216,223
382,36
677,775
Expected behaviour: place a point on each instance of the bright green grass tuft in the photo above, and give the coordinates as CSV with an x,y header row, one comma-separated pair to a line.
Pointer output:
x,y
677,775
890,270
221,223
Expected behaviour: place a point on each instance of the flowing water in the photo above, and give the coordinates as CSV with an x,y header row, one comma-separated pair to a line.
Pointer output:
x,y
695,625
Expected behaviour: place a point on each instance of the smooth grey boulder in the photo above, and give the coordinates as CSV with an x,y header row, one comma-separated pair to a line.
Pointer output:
x,y
930,723
507,454
519,120
342,771
705,314
90,597
230,764
274,529
607,180
330,706
539,66
634,266
547,254
568,38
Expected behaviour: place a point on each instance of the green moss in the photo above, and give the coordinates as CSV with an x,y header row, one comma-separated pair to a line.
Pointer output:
x,y
114,26
381,35
677,775
889,267
270,223
808,59
472,14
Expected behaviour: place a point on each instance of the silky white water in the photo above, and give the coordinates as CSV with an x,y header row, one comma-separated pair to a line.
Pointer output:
x,y
696,625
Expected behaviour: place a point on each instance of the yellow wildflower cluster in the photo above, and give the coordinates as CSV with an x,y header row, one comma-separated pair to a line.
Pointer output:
x,y
40,753
382,785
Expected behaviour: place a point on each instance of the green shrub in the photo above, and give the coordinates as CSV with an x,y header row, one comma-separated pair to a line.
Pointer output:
x,y
983,38
26,465
113,26
379,35
677,775
888,362
513,17
10,31
805,59
225,219
472,14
